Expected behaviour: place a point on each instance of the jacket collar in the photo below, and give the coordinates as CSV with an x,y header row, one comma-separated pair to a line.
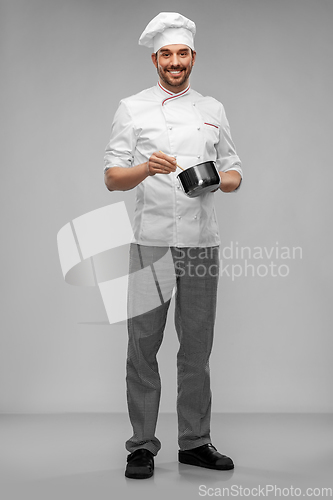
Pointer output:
x,y
167,96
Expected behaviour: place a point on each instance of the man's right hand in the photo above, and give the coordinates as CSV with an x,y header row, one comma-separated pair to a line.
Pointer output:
x,y
123,179
160,163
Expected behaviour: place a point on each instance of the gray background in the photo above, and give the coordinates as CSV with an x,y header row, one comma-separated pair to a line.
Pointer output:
x,y
65,66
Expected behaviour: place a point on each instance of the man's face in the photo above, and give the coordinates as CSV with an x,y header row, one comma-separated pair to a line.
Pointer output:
x,y
174,65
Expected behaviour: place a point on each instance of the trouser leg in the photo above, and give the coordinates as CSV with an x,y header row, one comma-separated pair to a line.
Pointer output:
x,y
195,312
147,288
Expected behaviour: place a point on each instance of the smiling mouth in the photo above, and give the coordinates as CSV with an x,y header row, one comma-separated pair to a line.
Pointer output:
x,y
175,73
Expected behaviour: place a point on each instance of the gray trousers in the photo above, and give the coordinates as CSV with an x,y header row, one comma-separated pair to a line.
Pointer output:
x,y
154,273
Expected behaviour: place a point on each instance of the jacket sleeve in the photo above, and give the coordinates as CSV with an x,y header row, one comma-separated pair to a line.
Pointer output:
x,y
120,150
227,158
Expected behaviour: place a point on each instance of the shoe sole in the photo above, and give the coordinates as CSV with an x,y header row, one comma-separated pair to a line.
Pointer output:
x,y
189,460
137,473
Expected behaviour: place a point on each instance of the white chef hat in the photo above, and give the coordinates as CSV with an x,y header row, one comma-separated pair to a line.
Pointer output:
x,y
168,28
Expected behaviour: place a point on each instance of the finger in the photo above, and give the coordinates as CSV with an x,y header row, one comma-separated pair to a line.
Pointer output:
x,y
161,169
162,164
169,159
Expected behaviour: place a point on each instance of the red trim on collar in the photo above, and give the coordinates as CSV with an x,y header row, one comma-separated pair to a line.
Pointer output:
x,y
173,96
170,93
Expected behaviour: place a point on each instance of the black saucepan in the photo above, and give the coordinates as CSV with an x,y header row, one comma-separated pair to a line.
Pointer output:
x,y
199,179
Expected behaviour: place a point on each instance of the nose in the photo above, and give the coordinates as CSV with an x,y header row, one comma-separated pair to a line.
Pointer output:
x,y
175,60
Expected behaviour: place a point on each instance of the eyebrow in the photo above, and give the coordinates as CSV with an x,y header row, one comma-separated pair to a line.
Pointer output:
x,y
168,50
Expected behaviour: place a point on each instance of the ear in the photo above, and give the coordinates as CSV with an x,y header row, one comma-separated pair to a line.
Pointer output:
x,y
154,59
194,56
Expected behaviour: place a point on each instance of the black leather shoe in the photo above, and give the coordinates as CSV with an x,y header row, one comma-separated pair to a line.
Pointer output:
x,y
140,464
205,456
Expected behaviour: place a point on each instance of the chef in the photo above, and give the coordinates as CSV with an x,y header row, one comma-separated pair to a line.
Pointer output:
x,y
153,131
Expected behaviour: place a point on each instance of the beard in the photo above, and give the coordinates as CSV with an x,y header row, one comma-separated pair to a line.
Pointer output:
x,y
171,80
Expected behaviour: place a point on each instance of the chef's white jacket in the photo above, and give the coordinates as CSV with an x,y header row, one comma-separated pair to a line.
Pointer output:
x,y
191,128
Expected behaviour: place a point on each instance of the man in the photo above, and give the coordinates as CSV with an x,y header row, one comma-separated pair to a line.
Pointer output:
x,y
153,132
